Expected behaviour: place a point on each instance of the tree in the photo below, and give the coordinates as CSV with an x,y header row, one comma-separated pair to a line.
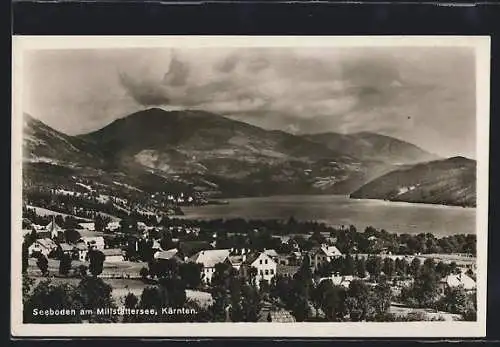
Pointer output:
x,y
144,272
401,267
300,304
281,289
415,267
301,291
358,301
424,290
172,291
191,274
71,235
96,258
361,267
82,271
145,250
381,300
348,268
456,300
94,294
221,281
236,310
251,303
330,299
99,223
333,303
389,267
65,264
374,266
131,301
50,296
26,287
43,264
25,256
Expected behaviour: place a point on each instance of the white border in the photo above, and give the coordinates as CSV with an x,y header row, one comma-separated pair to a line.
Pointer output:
x,y
481,44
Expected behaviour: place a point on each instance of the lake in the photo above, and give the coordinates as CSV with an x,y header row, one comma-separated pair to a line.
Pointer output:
x,y
396,217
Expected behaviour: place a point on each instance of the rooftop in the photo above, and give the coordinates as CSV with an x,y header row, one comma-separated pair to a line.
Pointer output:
x,y
210,257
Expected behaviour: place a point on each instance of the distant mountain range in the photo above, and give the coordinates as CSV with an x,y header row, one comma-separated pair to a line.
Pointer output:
x,y
41,143
371,146
449,182
225,157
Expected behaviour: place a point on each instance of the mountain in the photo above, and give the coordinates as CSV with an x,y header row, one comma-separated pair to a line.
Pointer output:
x,y
161,139
241,157
371,146
158,150
42,143
450,182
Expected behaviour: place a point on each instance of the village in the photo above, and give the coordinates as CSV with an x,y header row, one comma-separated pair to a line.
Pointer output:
x,y
134,251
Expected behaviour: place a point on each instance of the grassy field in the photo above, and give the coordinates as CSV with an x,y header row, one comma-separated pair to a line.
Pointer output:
x,y
121,286
123,267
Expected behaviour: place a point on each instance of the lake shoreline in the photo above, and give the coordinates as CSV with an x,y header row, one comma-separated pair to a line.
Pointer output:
x,y
337,210
226,201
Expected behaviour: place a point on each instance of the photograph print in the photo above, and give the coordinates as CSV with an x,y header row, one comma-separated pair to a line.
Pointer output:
x,y
296,186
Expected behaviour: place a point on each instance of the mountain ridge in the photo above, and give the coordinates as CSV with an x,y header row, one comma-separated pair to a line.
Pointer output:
x,y
450,181
226,156
367,145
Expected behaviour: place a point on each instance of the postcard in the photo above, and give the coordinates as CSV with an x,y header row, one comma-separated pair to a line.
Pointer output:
x,y
225,186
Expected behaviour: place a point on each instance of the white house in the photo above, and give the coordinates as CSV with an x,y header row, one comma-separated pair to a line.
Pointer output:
x,y
113,226
82,250
460,280
324,254
266,267
43,246
209,258
338,280
113,255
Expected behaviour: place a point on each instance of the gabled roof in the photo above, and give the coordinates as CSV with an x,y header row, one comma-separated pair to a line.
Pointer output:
x,y
271,252
250,258
236,259
330,251
460,280
46,243
211,257
166,255
190,248
65,247
259,255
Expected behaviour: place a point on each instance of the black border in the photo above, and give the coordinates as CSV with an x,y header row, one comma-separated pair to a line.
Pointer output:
x,y
254,18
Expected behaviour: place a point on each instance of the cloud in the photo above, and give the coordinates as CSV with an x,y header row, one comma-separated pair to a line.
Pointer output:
x,y
303,90
145,93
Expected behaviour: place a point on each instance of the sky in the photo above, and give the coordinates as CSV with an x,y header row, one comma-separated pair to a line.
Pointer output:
x,y
423,95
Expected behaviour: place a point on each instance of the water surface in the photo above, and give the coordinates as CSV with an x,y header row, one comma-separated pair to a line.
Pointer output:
x,y
398,217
